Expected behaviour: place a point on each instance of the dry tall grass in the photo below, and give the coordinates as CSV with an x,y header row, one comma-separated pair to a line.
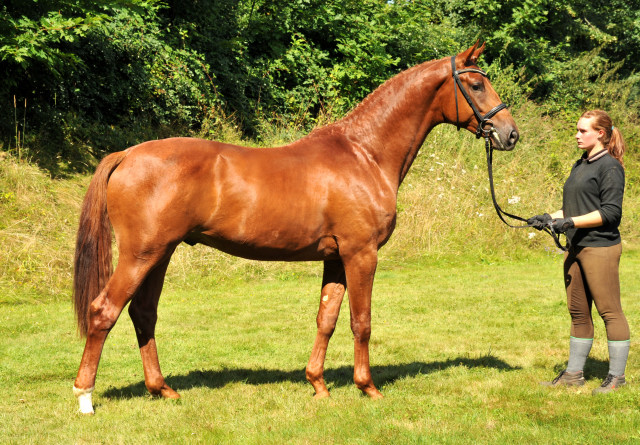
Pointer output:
x,y
38,220
444,210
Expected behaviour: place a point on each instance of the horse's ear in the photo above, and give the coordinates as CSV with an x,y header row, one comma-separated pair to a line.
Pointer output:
x,y
473,54
469,56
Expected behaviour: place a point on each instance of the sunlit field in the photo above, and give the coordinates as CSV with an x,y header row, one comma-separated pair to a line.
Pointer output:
x,y
458,351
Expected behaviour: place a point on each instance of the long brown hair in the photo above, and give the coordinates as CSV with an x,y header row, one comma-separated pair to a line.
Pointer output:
x,y
92,264
612,139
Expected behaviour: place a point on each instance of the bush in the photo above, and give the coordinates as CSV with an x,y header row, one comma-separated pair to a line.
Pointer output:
x,y
101,77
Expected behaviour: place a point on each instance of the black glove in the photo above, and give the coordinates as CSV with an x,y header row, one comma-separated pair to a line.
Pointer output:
x,y
540,221
561,225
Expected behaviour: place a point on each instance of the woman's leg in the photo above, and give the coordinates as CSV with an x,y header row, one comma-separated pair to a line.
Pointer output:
x,y
601,265
579,304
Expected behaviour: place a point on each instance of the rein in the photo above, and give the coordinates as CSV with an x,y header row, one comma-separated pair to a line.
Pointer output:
x,y
548,228
481,131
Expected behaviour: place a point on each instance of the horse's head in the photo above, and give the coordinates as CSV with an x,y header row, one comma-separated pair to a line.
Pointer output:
x,y
473,104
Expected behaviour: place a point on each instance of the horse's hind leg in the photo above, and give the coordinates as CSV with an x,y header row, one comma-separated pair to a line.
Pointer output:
x,y
143,311
333,288
104,313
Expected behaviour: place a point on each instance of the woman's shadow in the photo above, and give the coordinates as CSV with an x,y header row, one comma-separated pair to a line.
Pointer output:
x,y
336,377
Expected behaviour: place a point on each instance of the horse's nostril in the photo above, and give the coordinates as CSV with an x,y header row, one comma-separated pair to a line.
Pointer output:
x,y
513,137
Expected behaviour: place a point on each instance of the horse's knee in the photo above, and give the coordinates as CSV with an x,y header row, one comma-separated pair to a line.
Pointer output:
x,y
326,327
99,325
103,314
101,321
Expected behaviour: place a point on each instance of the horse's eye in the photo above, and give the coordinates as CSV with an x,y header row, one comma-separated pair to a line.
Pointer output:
x,y
476,87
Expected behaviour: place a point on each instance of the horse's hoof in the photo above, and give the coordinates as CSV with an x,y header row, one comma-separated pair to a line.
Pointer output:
x,y
373,393
169,393
321,395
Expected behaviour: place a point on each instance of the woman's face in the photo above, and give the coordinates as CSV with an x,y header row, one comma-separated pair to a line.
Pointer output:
x,y
586,137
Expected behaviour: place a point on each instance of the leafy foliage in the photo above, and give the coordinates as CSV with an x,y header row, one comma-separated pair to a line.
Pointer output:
x,y
94,77
548,37
90,76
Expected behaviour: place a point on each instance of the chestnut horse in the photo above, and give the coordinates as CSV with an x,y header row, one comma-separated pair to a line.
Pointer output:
x,y
330,196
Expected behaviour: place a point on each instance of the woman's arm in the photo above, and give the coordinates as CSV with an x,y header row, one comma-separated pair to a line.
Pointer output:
x,y
592,219
586,221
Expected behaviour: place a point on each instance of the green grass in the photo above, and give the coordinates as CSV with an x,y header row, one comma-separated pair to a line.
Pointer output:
x,y
38,221
458,351
468,317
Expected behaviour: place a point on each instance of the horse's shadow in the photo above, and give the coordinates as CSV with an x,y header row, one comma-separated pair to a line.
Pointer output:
x,y
335,377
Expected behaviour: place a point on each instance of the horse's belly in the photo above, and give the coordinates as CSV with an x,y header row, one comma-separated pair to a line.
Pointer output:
x,y
270,250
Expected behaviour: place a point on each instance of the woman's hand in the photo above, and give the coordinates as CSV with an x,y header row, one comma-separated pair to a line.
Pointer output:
x,y
540,221
561,225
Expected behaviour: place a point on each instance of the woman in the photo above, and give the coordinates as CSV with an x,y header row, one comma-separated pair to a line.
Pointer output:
x,y
590,216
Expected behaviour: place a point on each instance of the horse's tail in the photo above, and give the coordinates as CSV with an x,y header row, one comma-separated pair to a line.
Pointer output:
x,y
93,265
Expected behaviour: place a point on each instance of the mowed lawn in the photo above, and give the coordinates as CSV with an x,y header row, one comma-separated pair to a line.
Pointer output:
x,y
458,349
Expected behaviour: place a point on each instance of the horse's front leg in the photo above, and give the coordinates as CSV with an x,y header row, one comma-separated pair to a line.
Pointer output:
x,y
360,270
333,288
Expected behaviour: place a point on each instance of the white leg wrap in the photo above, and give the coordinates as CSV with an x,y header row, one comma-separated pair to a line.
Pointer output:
x,y
84,399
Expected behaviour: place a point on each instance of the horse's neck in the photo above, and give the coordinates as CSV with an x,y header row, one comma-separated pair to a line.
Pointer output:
x,y
392,122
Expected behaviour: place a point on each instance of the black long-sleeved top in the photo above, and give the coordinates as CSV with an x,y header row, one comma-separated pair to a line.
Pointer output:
x,y
595,183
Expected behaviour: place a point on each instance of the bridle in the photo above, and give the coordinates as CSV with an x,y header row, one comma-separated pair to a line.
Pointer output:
x,y
483,131
483,121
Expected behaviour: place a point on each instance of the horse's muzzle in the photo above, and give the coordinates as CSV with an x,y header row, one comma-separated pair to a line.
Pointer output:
x,y
504,142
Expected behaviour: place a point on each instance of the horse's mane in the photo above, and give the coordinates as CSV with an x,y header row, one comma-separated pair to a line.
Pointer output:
x,y
391,85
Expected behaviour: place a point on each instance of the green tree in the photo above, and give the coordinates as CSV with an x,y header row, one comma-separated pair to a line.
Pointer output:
x,y
97,77
546,37
100,76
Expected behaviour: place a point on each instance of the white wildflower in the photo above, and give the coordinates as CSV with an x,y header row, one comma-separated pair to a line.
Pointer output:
x,y
514,200
532,234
